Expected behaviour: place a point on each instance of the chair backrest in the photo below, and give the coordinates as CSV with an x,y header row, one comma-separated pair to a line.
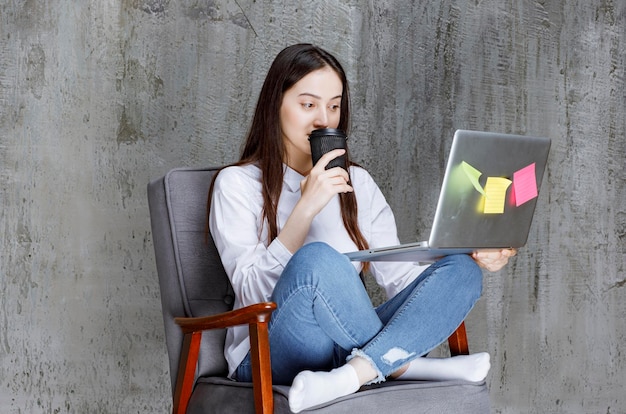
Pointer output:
x,y
191,276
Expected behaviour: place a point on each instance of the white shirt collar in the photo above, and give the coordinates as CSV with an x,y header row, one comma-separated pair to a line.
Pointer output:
x,y
292,179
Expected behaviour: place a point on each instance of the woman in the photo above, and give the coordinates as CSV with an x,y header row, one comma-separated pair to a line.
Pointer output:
x,y
280,225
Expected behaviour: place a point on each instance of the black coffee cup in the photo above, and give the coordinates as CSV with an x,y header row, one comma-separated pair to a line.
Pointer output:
x,y
325,140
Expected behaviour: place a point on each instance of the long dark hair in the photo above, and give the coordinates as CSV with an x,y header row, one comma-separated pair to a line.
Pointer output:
x,y
264,145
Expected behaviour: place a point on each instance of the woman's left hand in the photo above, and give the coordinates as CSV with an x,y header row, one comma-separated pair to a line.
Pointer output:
x,y
493,260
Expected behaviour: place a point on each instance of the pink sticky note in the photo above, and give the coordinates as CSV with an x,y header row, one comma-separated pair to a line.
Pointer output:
x,y
525,185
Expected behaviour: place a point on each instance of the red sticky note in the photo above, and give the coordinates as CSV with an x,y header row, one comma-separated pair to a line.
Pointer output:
x,y
525,185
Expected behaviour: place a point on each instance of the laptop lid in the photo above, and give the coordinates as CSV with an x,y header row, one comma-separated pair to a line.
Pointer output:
x,y
487,199
490,190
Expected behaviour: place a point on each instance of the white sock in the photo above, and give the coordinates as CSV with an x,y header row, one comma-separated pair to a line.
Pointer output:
x,y
473,367
313,388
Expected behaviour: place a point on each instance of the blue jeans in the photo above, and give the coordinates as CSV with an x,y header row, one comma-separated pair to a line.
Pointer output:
x,y
325,315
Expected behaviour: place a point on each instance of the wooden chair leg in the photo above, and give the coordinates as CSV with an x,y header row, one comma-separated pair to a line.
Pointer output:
x,y
186,371
458,341
261,368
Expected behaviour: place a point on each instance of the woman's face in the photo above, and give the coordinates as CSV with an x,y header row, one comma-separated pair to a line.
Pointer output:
x,y
311,103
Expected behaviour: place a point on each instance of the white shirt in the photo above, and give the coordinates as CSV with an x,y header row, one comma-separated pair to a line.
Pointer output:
x,y
254,267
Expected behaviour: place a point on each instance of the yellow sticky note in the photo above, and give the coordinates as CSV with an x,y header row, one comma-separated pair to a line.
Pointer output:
x,y
495,194
473,174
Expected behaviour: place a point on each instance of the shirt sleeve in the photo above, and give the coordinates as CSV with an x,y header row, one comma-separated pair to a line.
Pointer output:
x,y
235,221
382,232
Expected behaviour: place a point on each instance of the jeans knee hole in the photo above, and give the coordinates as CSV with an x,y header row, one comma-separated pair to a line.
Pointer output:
x,y
396,354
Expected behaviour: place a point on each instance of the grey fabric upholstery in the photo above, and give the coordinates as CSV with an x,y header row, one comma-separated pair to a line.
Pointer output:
x,y
193,283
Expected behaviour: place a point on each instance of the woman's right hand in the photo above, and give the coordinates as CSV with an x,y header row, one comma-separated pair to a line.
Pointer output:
x,y
317,189
321,185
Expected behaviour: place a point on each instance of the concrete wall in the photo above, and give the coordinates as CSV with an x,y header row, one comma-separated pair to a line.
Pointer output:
x,y
99,97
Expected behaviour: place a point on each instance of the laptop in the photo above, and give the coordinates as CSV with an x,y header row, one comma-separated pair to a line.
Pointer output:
x,y
487,198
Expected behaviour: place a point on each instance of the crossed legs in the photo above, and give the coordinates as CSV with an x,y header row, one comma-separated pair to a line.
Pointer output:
x,y
324,313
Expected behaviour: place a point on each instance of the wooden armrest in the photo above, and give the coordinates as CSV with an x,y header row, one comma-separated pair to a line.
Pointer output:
x,y
257,313
458,341
257,318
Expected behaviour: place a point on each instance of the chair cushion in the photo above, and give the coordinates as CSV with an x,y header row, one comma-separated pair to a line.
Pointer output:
x,y
219,395
204,285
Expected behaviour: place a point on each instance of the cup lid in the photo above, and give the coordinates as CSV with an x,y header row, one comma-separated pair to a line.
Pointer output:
x,y
327,131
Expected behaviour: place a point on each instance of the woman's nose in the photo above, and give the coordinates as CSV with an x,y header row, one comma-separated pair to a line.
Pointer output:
x,y
321,120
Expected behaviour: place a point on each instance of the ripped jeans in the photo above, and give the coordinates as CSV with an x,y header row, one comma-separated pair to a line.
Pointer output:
x,y
325,316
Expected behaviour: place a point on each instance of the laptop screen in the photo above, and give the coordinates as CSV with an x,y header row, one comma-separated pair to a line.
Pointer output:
x,y
489,191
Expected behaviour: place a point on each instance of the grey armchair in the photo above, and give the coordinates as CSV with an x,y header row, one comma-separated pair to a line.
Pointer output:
x,y
197,302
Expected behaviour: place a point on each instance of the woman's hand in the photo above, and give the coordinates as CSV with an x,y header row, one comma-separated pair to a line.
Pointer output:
x,y
317,189
493,260
321,185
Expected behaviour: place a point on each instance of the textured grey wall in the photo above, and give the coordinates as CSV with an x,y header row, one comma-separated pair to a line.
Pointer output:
x,y
99,97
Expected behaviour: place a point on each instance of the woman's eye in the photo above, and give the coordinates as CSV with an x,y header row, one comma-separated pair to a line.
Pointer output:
x,y
307,105
335,107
